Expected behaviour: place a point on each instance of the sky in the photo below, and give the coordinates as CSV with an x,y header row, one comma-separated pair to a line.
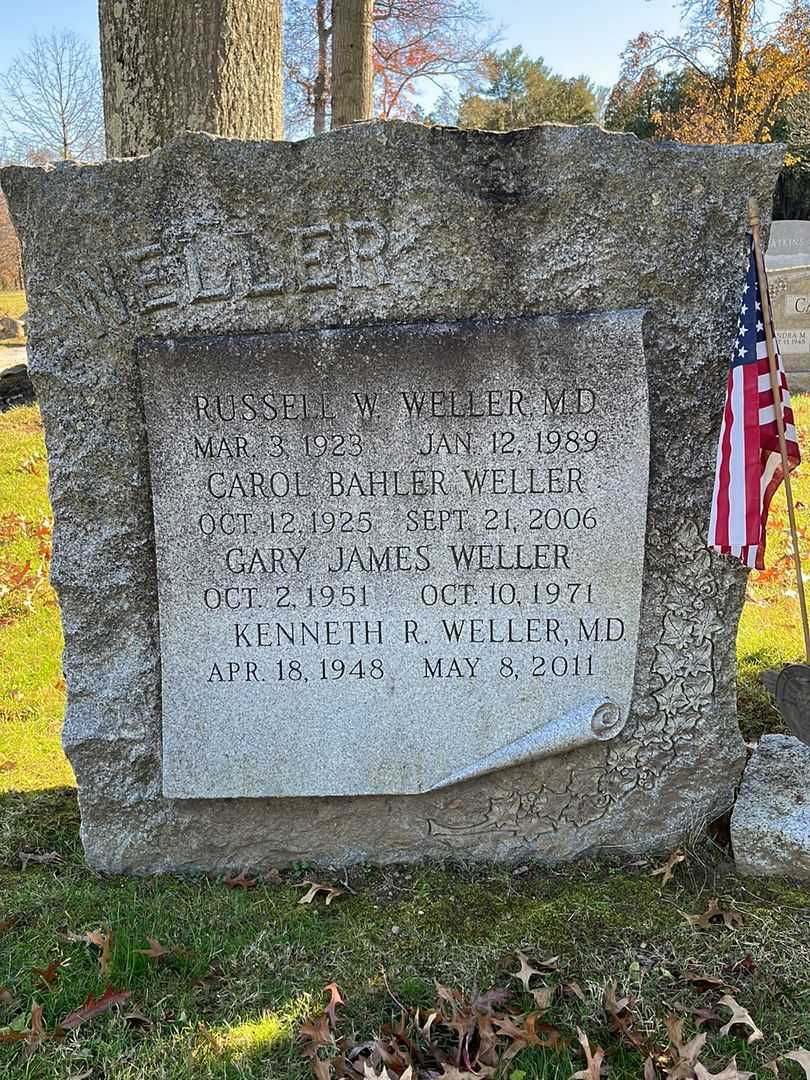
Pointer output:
x,y
574,37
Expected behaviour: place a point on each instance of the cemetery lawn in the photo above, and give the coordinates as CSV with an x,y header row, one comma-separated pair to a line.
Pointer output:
x,y
770,630
233,970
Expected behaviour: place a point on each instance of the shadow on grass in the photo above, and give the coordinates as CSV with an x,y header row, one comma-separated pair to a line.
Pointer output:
x,y
39,821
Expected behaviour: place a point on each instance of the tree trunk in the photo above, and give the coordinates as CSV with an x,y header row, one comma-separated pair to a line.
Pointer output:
x,y
352,24
173,65
319,92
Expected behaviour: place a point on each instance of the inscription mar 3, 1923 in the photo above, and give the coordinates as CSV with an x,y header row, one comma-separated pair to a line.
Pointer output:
x,y
393,558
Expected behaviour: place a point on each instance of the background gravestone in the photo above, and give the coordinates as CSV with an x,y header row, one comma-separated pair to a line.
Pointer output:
x,y
149,278
788,263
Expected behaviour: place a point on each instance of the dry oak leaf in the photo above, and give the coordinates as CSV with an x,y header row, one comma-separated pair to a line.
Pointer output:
x,y
156,950
533,1032
543,996
315,888
801,1057
33,1036
593,1068
50,974
739,1015
527,972
731,917
137,1019
335,999
667,869
573,990
102,939
704,982
684,1055
314,1033
370,1073
731,1072
240,881
48,858
94,1007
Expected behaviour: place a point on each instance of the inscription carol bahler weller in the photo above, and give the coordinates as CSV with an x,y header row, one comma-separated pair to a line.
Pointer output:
x,y
395,551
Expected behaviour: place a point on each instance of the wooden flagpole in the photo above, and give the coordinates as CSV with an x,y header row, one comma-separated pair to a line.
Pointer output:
x,y
776,393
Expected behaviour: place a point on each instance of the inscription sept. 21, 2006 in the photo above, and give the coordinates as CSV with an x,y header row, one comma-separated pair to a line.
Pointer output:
x,y
393,558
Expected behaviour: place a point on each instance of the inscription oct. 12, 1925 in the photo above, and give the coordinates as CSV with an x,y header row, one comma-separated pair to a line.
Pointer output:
x,y
393,558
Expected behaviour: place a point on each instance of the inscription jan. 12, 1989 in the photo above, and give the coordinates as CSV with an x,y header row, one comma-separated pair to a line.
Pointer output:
x,y
389,555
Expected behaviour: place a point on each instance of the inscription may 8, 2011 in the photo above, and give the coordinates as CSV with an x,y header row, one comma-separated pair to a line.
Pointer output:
x,y
393,558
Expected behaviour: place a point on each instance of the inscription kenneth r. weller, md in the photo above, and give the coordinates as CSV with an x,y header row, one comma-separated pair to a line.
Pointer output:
x,y
387,554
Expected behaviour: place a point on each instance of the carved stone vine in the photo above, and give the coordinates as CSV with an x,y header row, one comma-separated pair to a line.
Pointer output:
x,y
680,687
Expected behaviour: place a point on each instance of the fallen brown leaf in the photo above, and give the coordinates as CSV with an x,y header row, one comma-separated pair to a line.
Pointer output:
x,y
593,1068
667,869
36,1033
706,1015
704,982
240,881
315,888
801,1057
50,974
156,950
137,1019
730,916
102,939
48,858
739,1015
94,1007
731,1072
573,990
527,971
335,999
543,996
683,1054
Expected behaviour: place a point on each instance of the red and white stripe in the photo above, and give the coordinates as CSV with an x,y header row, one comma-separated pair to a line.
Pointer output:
x,y
749,464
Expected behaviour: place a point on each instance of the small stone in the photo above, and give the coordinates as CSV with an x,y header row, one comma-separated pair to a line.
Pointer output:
x,y
10,328
770,826
519,871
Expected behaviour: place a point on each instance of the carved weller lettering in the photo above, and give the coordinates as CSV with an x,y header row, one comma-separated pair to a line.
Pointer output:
x,y
211,262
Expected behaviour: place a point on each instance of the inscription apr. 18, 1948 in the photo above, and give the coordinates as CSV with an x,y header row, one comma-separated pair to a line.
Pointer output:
x,y
392,558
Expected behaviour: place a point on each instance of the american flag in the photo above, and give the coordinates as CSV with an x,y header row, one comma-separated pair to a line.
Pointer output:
x,y
749,465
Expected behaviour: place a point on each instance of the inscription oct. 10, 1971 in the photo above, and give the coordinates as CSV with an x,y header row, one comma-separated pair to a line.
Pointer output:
x,y
390,558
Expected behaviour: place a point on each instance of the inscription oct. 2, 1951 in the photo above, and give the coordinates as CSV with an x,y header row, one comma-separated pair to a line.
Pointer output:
x,y
392,558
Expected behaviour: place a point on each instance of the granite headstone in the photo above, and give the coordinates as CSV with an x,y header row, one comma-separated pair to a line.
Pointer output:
x,y
381,466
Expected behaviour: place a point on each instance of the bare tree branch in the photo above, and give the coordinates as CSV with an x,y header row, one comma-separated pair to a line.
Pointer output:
x,y
50,99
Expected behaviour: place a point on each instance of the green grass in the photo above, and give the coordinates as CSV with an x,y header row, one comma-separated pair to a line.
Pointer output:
x,y
32,690
251,964
770,628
